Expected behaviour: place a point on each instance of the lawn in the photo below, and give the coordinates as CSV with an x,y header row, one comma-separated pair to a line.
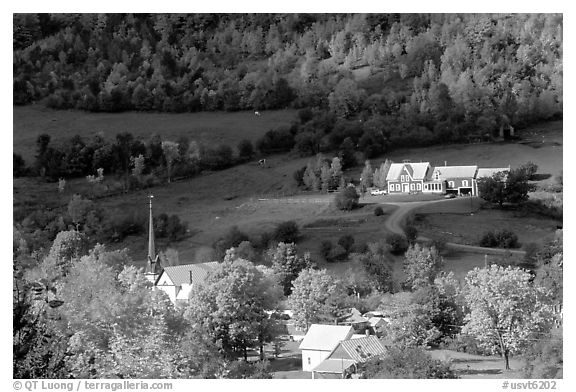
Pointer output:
x,y
464,228
207,127
469,366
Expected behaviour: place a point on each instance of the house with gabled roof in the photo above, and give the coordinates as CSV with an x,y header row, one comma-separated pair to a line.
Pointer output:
x,y
320,341
459,180
407,177
177,281
347,355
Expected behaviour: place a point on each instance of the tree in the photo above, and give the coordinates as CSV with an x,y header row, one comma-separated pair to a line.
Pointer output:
x,y
231,307
347,199
400,362
500,188
421,264
287,232
377,265
18,165
287,264
412,317
315,297
347,155
366,177
544,359
507,311
381,173
170,150
245,150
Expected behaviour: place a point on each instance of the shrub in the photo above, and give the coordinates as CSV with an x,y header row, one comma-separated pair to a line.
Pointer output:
x,y
19,166
397,243
411,233
346,242
232,238
337,253
501,239
287,232
325,248
530,168
245,150
299,176
278,140
347,199
378,211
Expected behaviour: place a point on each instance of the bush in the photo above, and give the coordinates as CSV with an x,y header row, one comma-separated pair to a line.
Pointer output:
x,y
411,233
397,243
530,168
299,176
500,239
337,253
245,150
346,242
378,211
19,166
347,199
232,238
278,140
287,232
325,248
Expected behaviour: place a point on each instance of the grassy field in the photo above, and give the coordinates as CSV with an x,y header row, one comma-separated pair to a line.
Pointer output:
x,y
207,127
213,202
541,144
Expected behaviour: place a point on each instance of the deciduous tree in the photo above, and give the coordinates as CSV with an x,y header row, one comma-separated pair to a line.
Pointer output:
x,y
507,311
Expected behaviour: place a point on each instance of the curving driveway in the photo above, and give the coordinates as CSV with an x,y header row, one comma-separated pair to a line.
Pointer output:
x,y
396,219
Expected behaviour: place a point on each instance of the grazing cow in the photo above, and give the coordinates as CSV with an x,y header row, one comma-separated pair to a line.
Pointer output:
x,y
257,113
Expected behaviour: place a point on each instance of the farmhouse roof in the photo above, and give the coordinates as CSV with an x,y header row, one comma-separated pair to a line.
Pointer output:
x,y
489,172
337,366
456,171
190,273
418,170
359,350
325,337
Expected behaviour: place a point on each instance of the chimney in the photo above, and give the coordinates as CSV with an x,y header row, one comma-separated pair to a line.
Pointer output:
x,y
445,163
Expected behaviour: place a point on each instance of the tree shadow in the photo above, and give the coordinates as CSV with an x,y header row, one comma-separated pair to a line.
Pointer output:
x,y
540,177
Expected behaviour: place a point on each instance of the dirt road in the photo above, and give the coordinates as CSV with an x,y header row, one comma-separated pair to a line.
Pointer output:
x,y
396,220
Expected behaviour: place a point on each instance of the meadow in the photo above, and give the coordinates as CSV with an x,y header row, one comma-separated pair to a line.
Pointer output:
x,y
211,128
213,202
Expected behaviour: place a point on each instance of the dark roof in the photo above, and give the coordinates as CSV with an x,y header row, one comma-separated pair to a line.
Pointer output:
x,y
180,274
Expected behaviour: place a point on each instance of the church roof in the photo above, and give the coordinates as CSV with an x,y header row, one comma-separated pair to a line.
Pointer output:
x,y
190,273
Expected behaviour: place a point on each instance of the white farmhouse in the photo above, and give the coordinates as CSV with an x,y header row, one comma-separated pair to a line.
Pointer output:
x,y
320,341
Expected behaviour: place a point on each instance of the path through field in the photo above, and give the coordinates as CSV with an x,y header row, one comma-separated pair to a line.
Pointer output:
x,y
398,216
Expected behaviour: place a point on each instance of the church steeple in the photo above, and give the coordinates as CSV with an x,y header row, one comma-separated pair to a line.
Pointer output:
x,y
153,267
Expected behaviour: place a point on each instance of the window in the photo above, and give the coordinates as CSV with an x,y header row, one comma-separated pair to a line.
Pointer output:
x,y
419,186
309,361
402,178
412,186
397,187
451,184
437,176
465,183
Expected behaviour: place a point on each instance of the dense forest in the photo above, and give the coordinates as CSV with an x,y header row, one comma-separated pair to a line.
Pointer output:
x,y
392,79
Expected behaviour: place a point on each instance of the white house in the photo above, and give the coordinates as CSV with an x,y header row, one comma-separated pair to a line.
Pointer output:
x,y
320,341
177,281
349,353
